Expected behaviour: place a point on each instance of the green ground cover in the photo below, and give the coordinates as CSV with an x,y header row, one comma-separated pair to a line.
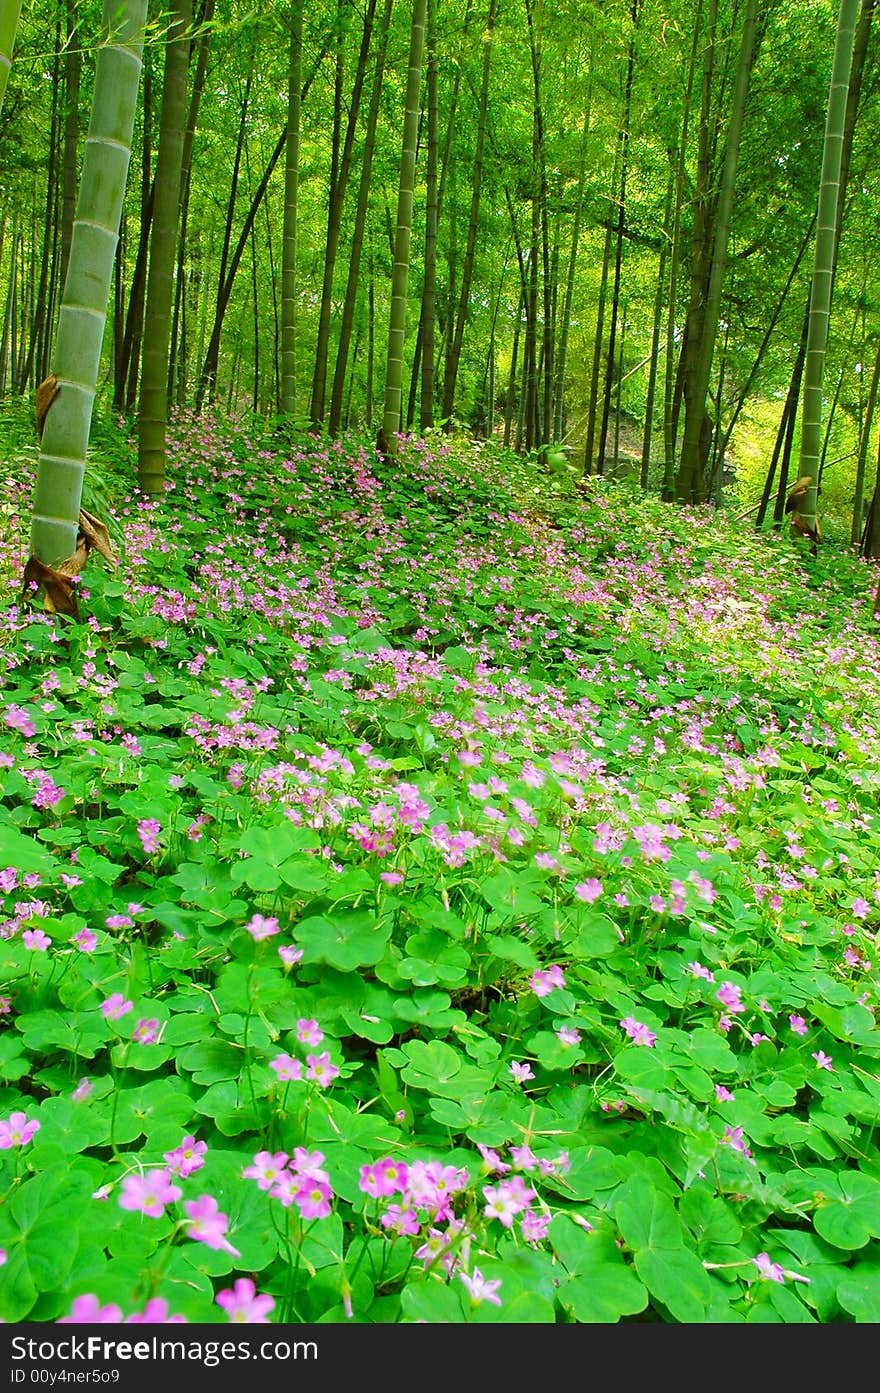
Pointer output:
x,y
435,892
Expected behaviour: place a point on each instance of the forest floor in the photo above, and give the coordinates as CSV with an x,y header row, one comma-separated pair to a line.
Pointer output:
x,y
434,892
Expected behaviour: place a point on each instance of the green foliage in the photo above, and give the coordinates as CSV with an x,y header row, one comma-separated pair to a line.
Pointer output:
x,y
464,885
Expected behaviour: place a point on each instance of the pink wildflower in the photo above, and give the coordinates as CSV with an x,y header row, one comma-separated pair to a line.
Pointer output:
x,y
155,1313
16,1130
207,1225
568,1035
730,996
313,1200
259,927
309,1032
266,1168
36,940
243,1305
383,1177
116,1006
87,1310
286,1067
638,1032
589,890
149,1193
767,1270
521,1072
186,1158
148,830
480,1289
543,980
321,1069
146,1032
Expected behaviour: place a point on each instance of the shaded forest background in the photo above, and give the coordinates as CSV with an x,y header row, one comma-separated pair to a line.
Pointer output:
x,y
612,204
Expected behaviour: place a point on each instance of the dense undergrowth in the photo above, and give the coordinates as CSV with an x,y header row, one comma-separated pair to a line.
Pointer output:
x,y
435,893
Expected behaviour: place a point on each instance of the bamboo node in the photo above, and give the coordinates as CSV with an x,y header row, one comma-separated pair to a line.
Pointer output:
x,y
57,582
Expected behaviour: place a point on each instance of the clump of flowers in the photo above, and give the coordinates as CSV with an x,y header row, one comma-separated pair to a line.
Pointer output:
x,y
298,1179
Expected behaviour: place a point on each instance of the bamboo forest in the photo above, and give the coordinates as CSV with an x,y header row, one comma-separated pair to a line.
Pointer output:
x,y
439,669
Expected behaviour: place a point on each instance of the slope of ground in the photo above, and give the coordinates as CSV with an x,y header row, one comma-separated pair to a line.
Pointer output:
x,y
434,892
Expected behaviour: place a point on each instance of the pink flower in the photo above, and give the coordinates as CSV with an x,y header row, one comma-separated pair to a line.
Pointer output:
x,y
148,830
308,1165
194,830
149,1193
383,1177
309,1033
260,927
543,980
320,1068
16,1130
186,1158
155,1313
85,940
696,969
207,1225
533,1227
798,1025
638,1032
723,1094
87,1310
521,1072
289,954
480,1289
823,1061
589,890
400,1220
705,889
492,1161
730,996
767,1270
430,1184
470,758
145,1032
116,1006
286,1067
266,1168
36,940
82,1090
313,1199
568,1035
734,1138
860,908
243,1305
524,1157
507,1199
18,719
286,1187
